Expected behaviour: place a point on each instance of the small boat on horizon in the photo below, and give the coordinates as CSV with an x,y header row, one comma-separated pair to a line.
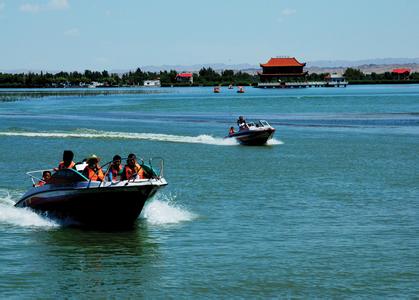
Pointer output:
x,y
71,197
240,90
253,133
217,89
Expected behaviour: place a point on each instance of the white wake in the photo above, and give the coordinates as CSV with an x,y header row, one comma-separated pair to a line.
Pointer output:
x,y
273,142
163,210
22,217
95,134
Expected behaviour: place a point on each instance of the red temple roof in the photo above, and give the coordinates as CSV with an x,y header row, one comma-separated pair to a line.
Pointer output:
x,y
185,75
401,71
283,62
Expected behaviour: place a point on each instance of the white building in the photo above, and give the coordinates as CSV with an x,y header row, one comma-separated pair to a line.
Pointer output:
x,y
152,83
335,80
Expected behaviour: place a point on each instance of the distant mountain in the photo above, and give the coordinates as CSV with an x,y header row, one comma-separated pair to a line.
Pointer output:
x,y
355,63
367,69
318,66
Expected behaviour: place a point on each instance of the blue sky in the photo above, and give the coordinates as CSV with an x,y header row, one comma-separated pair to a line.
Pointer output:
x,y
110,34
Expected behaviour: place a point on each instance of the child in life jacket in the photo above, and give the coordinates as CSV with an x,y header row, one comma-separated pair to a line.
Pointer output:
x,y
46,176
115,169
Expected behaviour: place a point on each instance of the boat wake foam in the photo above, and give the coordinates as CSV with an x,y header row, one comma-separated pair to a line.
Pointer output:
x,y
163,210
273,142
96,134
22,217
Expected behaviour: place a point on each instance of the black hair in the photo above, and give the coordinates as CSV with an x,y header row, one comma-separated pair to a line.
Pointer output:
x,y
46,172
116,157
68,155
132,156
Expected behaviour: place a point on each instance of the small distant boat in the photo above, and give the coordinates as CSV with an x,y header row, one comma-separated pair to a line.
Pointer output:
x,y
216,89
240,90
254,134
230,87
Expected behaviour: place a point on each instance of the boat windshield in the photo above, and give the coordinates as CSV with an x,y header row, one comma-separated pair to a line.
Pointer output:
x,y
258,124
264,123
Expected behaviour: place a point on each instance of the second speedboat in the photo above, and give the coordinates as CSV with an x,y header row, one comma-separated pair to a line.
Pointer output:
x,y
254,133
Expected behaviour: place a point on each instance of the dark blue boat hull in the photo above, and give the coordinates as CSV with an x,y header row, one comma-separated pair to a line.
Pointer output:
x,y
253,138
92,207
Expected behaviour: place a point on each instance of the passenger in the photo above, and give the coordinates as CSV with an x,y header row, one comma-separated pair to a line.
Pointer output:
x,y
67,162
115,169
241,122
231,130
93,171
46,176
132,169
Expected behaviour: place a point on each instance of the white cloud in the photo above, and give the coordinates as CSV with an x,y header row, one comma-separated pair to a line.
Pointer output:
x,y
288,12
72,32
50,5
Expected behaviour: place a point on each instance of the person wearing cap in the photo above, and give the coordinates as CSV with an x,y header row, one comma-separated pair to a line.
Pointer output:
x,y
67,162
93,171
132,169
115,169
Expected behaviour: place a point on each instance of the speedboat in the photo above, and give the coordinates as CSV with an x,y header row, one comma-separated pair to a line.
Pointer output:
x,y
71,197
254,133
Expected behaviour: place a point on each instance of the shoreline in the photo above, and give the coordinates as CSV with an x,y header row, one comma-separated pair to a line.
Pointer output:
x,y
104,88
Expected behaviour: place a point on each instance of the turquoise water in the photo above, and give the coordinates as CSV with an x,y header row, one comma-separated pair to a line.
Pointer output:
x,y
328,210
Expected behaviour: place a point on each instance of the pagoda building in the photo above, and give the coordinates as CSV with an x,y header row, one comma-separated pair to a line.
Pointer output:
x,y
282,68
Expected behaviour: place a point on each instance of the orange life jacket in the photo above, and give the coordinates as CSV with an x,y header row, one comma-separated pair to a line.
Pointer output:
x,y
40,183
92,175
130,171
62,166
115,172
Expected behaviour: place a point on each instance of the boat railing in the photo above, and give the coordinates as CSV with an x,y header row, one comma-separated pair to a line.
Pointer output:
x,y
155,171
154,168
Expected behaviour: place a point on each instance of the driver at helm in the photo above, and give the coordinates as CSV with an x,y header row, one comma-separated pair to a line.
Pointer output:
x,y
241,122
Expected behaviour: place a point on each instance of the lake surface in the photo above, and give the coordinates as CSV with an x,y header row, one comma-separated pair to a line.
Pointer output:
x,y
329,209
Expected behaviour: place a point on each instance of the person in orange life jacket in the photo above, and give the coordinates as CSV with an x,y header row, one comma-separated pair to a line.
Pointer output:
x,y
115,169
132,169
92,171
67,162
46,176
231,130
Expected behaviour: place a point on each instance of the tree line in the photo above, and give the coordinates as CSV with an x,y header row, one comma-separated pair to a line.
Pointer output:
x,y
205,76
355,76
